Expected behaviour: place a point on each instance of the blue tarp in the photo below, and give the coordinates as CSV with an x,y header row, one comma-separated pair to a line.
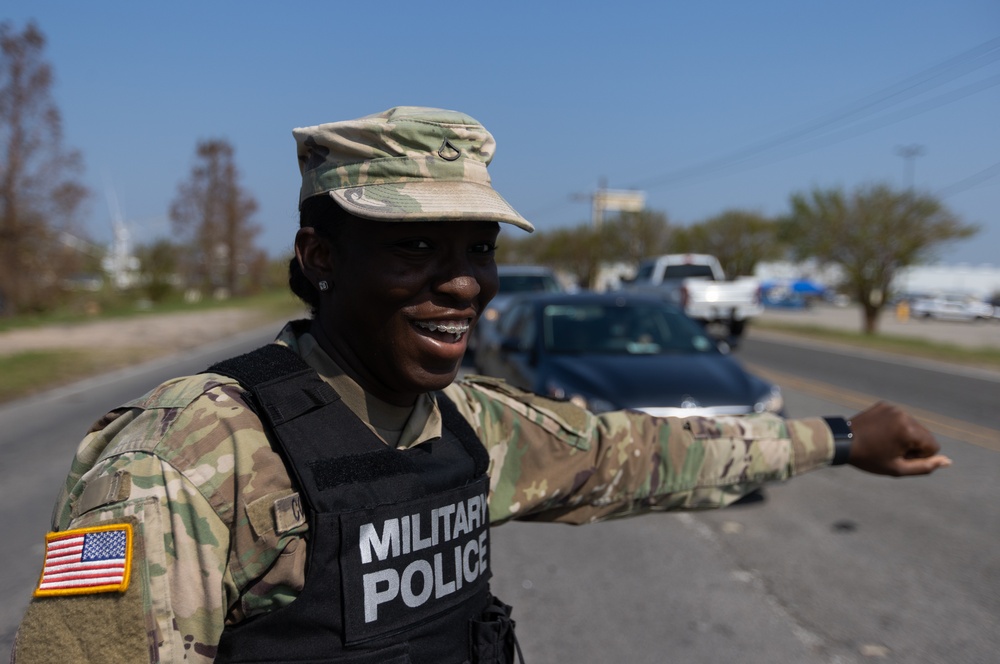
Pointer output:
x,y
800,286
790,293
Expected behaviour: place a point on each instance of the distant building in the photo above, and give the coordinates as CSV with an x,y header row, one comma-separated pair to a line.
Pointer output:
x,y
982,281
120,264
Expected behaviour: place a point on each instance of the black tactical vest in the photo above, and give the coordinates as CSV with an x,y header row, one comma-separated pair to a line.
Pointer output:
x,y
398,559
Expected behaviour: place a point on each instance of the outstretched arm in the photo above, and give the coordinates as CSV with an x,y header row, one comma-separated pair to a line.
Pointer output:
x,y
889,441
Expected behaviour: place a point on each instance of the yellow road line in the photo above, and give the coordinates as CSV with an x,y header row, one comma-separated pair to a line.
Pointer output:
x,y
939,424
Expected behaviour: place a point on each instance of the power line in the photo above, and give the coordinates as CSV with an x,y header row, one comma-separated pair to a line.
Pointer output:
x,y
824,131
930,78
875,123
973,180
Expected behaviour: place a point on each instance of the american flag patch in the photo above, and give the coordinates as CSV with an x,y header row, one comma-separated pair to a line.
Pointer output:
x,y
87,560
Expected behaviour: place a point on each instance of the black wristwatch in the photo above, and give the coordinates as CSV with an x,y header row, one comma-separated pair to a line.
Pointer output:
x,y
842,439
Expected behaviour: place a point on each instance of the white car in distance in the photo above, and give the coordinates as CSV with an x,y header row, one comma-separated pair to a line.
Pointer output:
x,y
951,306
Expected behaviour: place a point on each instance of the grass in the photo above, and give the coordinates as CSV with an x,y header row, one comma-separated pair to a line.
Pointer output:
x,y
277,302
32,371
29,372
986,358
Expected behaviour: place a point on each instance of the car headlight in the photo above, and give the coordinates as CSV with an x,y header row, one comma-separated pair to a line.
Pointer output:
x,y
773,402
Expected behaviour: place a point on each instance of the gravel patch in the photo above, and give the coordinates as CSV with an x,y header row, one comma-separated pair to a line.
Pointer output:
x,y
163,333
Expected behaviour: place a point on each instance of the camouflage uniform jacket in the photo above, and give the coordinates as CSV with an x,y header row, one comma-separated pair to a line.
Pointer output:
x,y
219,536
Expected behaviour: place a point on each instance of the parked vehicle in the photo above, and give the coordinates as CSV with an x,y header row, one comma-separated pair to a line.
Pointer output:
x,y
609,351
514,280
697,284
951,306
790,293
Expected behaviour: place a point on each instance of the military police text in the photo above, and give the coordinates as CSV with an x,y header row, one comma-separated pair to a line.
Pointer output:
x,y
440,573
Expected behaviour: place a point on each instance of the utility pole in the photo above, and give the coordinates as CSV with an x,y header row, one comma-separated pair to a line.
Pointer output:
x,y
909,153
596,200
598,206
605,199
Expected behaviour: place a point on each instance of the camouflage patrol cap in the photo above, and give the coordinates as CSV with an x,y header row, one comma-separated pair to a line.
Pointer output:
x,y
409,163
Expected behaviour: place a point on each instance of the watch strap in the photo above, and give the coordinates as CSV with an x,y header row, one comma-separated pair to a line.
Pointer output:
x,y
843,436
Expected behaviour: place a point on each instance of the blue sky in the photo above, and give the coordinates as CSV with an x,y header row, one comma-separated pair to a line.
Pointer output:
x,y
705,106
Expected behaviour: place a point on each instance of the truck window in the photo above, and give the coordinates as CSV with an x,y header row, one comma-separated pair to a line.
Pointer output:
x,y
685,271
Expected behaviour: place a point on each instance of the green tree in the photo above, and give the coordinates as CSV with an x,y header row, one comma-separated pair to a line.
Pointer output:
x,y
582,250
634,235
158,263
276,272
579,250
738,238
213,213
871,234
516,247
40,193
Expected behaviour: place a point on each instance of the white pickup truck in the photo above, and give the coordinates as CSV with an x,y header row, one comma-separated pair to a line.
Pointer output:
x,y
697,283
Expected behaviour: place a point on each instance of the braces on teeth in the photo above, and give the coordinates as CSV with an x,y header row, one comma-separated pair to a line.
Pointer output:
x,y
457,329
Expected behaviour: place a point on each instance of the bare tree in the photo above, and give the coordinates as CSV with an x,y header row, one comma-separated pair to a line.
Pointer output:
x,y
40,195
871,234
214,214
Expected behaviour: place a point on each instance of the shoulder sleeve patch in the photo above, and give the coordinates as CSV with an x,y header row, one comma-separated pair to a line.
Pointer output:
x,y
104,490
86,561
77,628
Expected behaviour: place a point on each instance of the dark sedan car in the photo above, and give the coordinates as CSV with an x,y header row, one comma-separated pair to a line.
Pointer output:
x,y
514,280
609,351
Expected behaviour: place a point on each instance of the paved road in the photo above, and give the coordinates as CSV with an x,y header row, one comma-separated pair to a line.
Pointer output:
x,y
850,374
978,334
836,567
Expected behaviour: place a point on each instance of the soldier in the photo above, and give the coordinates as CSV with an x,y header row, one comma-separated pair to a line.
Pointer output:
x,y
328,497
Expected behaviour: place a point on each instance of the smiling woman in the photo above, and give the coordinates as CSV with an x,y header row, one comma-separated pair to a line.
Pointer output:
x,y
401,298
328,497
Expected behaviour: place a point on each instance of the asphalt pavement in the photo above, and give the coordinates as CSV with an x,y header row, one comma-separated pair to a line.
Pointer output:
x,y
969,334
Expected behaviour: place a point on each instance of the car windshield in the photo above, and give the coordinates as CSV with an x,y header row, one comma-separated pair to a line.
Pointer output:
x,y
632,329
528,283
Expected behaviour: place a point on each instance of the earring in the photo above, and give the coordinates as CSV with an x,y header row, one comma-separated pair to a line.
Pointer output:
x,y
323,285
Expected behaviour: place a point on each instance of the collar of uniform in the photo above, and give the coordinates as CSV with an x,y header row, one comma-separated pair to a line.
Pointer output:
x,y
402,427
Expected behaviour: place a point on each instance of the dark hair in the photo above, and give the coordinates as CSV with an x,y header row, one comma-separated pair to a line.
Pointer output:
x,y
322,214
